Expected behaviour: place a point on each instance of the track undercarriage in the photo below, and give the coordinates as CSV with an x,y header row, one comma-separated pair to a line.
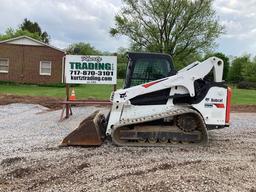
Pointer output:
x,y
157,133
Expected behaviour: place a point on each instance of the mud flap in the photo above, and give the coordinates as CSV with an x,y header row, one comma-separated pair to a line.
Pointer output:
x,y
90,132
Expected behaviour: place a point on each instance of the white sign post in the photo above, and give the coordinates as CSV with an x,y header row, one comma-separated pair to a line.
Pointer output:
x,y
90,69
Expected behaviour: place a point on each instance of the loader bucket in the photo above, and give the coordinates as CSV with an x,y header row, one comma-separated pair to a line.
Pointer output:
x,y
90,132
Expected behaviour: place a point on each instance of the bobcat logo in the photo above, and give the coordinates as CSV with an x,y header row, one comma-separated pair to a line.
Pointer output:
x,y
217,100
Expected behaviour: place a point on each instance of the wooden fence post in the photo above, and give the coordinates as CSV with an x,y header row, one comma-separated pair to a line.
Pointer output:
x,y
67,105
114,87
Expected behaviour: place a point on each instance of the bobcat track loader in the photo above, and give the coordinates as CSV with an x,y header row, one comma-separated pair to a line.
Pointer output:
x,y
159,106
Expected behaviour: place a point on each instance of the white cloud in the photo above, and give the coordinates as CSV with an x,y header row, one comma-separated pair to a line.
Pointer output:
x,y
69,21
238,17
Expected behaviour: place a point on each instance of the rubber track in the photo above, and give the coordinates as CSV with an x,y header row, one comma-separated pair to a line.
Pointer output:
x,y
169,113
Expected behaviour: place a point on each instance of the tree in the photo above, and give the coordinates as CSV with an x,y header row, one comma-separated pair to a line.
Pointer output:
x,y
33,27
235,74
82,49
249,69
122,55
178,27
27,28
225,60
12,33
243,69
122,61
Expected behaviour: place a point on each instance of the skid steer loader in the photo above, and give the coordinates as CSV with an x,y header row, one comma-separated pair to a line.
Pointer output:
x,y
160,106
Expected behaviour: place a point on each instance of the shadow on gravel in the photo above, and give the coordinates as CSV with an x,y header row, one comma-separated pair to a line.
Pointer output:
x,y
164,166
10,161
39,183
20,172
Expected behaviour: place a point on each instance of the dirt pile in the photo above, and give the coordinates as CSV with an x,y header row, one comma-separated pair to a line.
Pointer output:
x,y
49,102
53,103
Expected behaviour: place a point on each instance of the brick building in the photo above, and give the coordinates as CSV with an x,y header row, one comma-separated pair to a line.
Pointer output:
x,y
26,60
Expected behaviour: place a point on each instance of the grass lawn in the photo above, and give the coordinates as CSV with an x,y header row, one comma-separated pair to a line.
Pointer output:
x,y
243,96
239,96
82,91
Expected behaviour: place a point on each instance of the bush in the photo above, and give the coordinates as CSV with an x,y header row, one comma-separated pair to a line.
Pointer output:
x,y
121,70
8,83
246,85
52,85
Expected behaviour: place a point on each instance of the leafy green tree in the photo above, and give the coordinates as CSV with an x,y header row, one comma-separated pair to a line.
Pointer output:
x,y
249,70
33,27
122,61
181,60
236,73
181,28
122,55
27,28
11,33
82,49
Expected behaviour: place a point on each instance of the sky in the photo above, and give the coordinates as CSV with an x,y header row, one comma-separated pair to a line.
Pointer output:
x,y
72,21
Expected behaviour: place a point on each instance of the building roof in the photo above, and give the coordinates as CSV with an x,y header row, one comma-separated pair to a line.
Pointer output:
x,y
25,40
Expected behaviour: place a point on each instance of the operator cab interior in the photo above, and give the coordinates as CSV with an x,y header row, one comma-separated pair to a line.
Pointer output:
x,y
146,67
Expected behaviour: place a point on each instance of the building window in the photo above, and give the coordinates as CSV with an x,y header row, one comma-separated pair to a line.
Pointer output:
x,y
4,65
45,67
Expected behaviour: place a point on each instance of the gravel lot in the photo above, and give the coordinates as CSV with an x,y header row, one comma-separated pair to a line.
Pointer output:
x,y
30,159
